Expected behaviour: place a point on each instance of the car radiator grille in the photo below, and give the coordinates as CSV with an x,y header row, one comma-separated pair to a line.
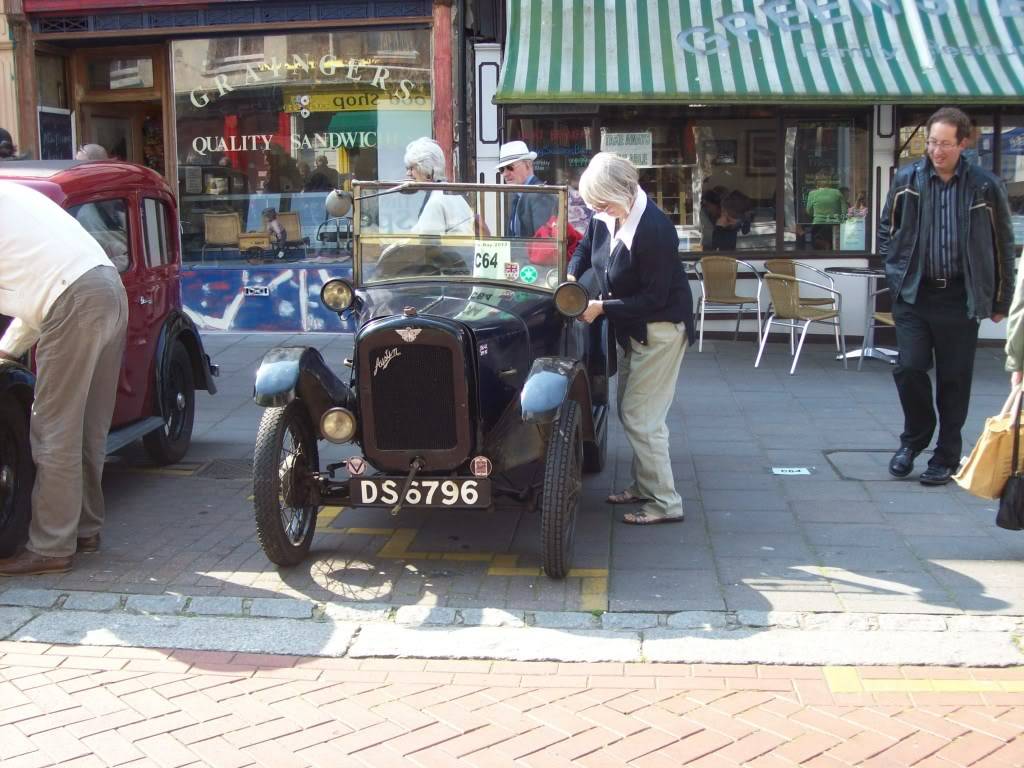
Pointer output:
x,y
413,401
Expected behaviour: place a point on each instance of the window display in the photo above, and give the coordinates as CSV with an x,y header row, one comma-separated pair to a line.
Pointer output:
x,y
275,122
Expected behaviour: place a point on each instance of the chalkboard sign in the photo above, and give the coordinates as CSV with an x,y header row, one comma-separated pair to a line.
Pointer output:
x,y
56,134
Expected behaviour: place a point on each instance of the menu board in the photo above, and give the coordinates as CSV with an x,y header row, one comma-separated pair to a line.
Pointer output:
x,y
56,134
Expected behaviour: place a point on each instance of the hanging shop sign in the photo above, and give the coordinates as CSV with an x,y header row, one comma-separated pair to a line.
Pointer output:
x,y
637,147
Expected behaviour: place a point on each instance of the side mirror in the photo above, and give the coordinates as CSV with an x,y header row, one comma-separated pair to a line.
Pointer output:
x,y
571,299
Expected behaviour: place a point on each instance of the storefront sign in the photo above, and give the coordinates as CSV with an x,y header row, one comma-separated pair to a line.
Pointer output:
x,y
273,71
203,145
636,147
785,16
354,101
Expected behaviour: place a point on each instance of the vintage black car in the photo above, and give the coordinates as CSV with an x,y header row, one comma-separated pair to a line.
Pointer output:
x,y
468,364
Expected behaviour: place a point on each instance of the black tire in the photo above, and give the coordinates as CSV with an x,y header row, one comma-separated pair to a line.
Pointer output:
x,y
17,473
563,487
286,456
595,454
169,444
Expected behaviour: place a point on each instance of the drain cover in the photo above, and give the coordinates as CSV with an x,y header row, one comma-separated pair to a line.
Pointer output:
x,y
226,469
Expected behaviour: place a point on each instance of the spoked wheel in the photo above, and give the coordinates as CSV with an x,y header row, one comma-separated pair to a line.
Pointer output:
x,y
169,444
17,473
563,486
286,458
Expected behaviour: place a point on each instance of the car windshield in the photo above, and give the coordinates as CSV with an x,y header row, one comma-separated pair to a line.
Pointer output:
x,y
464,232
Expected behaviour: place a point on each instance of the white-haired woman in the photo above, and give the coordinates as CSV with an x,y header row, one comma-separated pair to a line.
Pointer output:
x,y
633,248
441,214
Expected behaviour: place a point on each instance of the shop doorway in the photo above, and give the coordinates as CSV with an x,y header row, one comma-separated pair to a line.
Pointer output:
x,y
120,93
131,131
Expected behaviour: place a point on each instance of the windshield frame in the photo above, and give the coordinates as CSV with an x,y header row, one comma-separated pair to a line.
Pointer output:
x,y
499,194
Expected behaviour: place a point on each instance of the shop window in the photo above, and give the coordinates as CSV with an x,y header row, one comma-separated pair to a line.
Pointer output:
x,y
107,222
277,121
826,182
120,74
154,223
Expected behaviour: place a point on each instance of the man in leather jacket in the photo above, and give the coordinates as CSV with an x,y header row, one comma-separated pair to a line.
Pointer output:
x,y
946,239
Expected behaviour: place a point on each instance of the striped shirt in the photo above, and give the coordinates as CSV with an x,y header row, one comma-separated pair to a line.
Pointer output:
x,y
942,259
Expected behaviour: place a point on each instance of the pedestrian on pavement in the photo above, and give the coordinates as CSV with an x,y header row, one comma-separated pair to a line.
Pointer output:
x,y
526,213
65,296
633,248
91,152
1015,334
947,242
8,151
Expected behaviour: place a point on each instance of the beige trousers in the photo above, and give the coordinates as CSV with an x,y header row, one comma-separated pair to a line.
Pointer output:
x,y
78,363
646,389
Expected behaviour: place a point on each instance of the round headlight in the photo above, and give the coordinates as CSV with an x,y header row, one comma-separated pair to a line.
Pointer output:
x,y
338,203
336,295
571,299
338,425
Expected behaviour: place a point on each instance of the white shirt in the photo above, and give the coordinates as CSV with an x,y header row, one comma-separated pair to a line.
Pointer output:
x,y
445,215
628,229
43,250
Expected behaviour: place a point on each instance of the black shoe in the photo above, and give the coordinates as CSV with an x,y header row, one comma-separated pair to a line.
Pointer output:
x,y
902,462
936,475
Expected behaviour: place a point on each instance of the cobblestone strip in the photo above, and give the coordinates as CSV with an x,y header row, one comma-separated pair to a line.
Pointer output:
x,y
110,706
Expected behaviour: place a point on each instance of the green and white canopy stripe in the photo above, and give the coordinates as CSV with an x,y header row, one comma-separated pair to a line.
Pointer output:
x,y
734,51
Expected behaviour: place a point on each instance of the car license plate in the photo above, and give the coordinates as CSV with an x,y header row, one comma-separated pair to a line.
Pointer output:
x,y
423,492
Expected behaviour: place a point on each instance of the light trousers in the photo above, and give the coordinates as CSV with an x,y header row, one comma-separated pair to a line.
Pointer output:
x,y
646,388
78,363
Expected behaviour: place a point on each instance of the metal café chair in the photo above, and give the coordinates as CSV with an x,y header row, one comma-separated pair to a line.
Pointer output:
x,y
788,312
717,276
789,268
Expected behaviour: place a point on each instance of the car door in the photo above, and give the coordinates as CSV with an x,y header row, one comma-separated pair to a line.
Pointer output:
x,y
159,288
114,222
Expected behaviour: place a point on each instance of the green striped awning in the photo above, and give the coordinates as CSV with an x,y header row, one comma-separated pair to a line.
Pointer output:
x,y
763,50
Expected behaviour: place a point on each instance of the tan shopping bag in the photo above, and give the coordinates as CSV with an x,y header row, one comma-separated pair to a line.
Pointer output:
x,y
984,473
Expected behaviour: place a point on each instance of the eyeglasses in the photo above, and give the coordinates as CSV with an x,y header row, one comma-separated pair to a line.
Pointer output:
x,y
945,146
506,169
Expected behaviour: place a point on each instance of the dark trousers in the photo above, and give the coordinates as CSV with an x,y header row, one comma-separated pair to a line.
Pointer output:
x,y
936,329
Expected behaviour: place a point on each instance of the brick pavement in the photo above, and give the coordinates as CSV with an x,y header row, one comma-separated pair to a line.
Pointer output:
x,y
95,706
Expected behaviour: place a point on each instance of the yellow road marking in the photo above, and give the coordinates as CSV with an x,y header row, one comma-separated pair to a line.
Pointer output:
x,y
847,680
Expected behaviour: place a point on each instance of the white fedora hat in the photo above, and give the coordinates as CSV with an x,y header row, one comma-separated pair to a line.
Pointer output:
x,y
513,151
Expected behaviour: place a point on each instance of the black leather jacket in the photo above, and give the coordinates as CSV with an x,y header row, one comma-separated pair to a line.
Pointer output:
x,y
985,234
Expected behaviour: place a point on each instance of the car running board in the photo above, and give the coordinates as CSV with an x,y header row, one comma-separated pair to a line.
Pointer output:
x,y
119,438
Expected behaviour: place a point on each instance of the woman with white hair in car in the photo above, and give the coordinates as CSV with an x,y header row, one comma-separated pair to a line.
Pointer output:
x,y
440,214
633,249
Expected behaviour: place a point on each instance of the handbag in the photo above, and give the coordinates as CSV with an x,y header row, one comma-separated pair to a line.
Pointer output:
x,y
1011,503
990,464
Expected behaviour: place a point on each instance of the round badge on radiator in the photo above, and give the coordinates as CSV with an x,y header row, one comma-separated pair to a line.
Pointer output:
x,y
481,466
356,465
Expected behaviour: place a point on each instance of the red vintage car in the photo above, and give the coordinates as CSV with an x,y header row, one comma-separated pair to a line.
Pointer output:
x,y
132,213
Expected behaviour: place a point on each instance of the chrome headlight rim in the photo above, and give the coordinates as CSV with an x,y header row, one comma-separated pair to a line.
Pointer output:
x,y
331,431
337,294
571,299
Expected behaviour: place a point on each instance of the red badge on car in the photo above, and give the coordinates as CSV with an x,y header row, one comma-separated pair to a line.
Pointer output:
x,y
355,465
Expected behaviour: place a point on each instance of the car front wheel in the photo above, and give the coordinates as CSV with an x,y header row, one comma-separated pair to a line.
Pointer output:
x,y
563,486
169,444
17,473
285,460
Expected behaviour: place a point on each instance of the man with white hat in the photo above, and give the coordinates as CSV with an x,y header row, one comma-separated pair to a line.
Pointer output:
x,y
526,213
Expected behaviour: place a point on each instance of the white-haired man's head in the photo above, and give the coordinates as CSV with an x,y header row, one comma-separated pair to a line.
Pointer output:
x,y
91,152
424,160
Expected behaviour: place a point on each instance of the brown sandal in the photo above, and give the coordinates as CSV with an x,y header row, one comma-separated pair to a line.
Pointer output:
x,y
642,518
625,498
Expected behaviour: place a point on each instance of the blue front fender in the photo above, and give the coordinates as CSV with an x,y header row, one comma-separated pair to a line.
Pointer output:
x,y
287,373
551,382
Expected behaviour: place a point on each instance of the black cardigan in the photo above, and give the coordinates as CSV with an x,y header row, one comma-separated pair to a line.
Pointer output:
x,y
645,283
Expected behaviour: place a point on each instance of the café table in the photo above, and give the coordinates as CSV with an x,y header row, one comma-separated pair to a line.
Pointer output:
x,y
869,350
